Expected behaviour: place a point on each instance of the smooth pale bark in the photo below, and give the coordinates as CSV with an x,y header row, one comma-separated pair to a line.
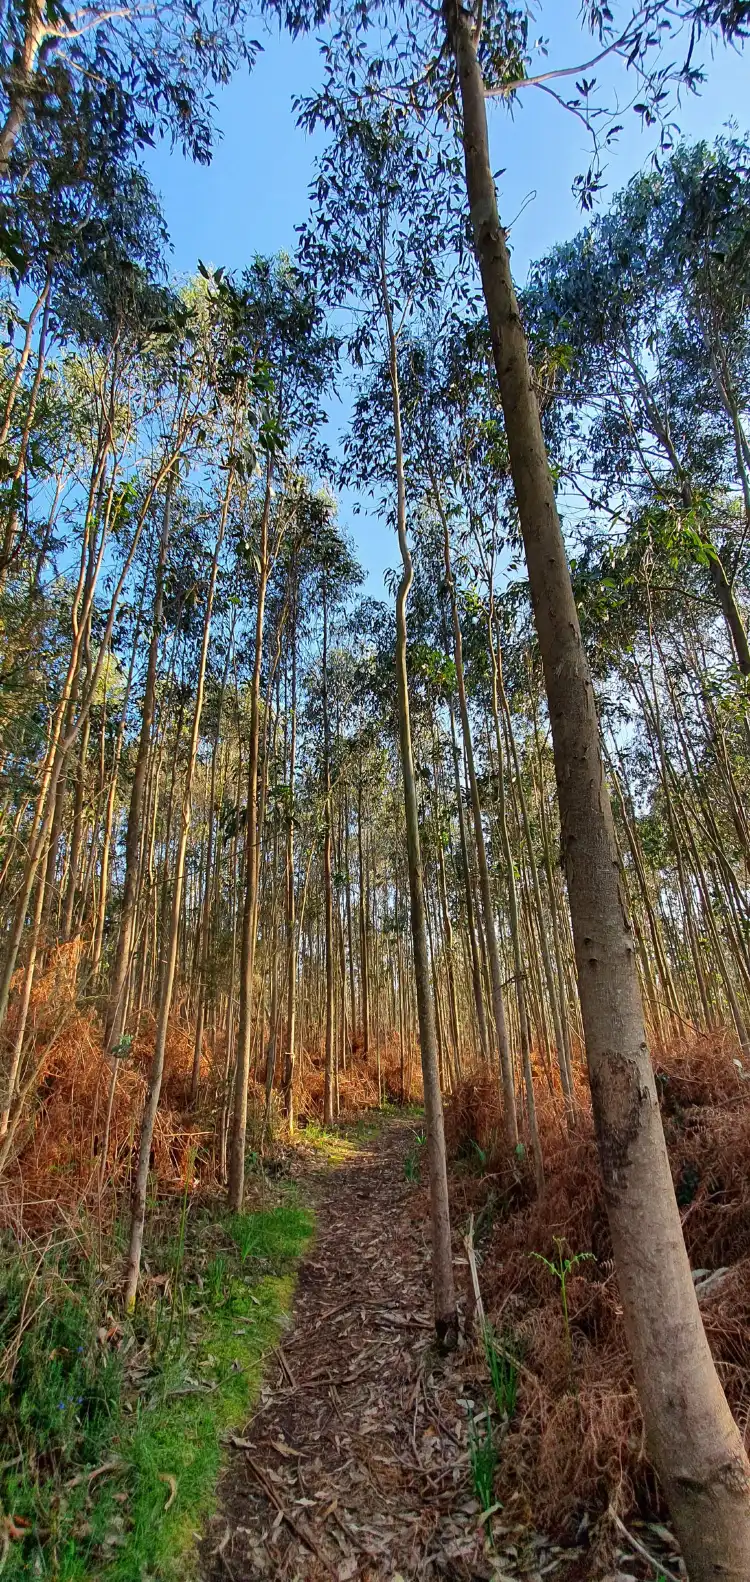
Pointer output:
x,y
236,1184
662,962
23,1011
291,897
230,1018
39,37
106,847
510,1120
121,966
364,973
76,841
153,1094
655,735
204,930
446,1316
328,1094
66,728
693,1439
349,931
203,940
556,1010
12,539
560,965
514,922
449,959
476,964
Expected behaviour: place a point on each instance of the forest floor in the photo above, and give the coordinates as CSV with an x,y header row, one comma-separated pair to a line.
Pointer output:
x,y
357,1461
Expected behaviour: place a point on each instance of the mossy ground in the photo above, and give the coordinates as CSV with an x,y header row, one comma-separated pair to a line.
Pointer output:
x,y
143,1405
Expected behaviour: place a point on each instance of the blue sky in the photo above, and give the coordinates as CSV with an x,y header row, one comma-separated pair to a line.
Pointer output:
x,y
254,193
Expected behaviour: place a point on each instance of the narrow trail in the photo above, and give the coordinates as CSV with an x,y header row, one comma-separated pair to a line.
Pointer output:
x,y
355,1464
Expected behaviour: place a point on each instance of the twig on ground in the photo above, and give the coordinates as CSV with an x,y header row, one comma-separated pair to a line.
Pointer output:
x,y
98,1472
471,1255
660,1568
302,1532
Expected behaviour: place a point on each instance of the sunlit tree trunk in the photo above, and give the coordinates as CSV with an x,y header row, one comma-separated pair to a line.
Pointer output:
x,y
166,989
236,1185
695,1444
446,1318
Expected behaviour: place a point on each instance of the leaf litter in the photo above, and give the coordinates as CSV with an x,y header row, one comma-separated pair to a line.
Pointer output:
x,y
356,1462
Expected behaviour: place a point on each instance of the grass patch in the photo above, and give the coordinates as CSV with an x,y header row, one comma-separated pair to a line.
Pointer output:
x,y
482,1460
503,1371
413,1160
271,1233
335,1145
340,1142
143,1404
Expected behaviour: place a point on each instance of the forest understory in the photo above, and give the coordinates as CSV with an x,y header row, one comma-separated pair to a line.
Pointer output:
x,y
369,1453
364,1455
374,789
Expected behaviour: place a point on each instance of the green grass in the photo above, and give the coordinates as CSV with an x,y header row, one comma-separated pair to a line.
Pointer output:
x,y
333,1145
503,1371
339,1142
482,1460
73,1403
413,1160
270,1234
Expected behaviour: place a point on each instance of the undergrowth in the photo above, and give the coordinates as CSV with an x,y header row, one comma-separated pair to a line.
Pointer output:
x,y
413,1160
339,1142
482,1460
503,1371
574,1443
111,1429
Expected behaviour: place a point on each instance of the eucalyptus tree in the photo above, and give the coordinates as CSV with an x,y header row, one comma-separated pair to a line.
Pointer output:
x,y
645,317
112,505
158,67
694,1441
77,255
336,574
192,361
282,321
445,65
376,241
167,982
240,383
311,535
425,433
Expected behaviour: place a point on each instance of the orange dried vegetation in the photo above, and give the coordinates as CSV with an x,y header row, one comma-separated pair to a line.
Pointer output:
x,y
577,1442
56,1158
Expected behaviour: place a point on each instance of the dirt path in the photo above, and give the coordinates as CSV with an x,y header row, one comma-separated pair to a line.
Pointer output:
x,y
356,1464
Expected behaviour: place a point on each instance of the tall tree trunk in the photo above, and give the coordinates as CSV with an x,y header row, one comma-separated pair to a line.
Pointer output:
x,y
476,963
203,942
364,972
291,921
514,921
140,1186
446,1317
114,1023
490,931
328,1095
349,933
76,835
236,1185
557,1011
694,1441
